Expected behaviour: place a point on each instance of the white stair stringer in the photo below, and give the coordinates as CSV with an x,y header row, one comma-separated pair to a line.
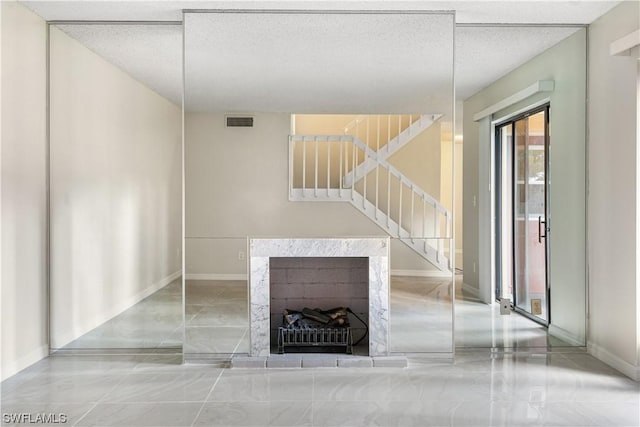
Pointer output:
x,y
421,246
407,135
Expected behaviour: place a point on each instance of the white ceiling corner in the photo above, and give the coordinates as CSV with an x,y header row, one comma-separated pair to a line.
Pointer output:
x,y
151,54
484,54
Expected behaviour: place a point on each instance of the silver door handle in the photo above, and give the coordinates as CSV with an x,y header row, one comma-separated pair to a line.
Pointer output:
x,y
540,235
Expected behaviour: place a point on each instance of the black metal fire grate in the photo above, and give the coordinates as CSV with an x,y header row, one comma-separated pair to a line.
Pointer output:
x,y
317,330
315,337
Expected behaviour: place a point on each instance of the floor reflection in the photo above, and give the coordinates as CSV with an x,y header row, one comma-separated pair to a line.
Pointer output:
x,y
479,325
421,315
154,322
477,388
217,320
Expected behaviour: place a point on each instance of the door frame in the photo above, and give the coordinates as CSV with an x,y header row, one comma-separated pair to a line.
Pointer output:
x,y
496,203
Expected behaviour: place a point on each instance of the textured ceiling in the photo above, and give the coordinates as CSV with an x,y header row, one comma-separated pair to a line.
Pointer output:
x,y
514,11
484,54
151,54
317,62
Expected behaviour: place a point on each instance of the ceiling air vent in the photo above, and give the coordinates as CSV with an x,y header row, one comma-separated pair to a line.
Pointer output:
x,y
239,122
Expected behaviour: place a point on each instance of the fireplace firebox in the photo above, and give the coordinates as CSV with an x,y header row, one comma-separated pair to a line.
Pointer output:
x,y
301,275
316,330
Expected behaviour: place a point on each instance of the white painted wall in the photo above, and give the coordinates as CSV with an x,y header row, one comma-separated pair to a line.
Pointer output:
x,y
564,63
613,193
23,293
236,186
115,190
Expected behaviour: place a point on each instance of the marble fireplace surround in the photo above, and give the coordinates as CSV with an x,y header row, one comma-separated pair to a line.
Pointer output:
x,y
376,249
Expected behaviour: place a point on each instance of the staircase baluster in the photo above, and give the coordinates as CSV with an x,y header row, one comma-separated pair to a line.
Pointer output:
x,y
315,191
367,132
400,209
439,240
304,166
354,174
388,196
353,169
328,166
411,227
365,162
388,131
448,234
364,193
424,217
341,145
292,144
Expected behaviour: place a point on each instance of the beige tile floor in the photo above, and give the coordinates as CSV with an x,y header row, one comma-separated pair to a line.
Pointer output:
x,y
217,321
479,387
153,323
476,389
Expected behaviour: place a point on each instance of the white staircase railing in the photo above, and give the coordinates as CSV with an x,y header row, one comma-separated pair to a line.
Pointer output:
x,y
318,165
385,134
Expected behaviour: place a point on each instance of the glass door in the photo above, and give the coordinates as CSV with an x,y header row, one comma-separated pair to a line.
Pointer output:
x,y
504,212
523,220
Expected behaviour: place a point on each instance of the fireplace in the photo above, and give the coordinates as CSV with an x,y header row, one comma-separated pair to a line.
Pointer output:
x,y
306,286
323,273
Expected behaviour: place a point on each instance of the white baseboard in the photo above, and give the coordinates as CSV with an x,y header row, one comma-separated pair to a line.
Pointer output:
x,y
12,367
212,276
421,273
414,273
416,358
100,318
614,361
566,336
471,290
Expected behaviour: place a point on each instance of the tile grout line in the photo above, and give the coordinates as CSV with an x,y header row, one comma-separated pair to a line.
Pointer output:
x,y
168,336
193,316
86,413
95,404
206,399
235,350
